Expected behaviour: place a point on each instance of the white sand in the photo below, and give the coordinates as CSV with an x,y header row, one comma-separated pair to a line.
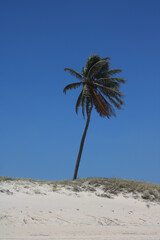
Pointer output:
x,y
29,211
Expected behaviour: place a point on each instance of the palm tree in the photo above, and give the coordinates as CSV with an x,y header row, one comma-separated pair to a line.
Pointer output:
x,y
100,88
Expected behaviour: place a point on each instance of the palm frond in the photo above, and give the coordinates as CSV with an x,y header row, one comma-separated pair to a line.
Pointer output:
x,y
98,105
114,71
108,82
84,71
120,80
102,106
112,95
92,60
86,89
88,105
106,92
103,80
110,110
103,73
74,73
119,100
86,98
83,100
106,58
78,102
95,69
71,86
109,89
117,105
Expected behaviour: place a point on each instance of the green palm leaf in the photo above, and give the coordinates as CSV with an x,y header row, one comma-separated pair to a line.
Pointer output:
x,y
114,71
83,102
88,105
109,79
74,73
120,80
92,60
117,105
102,106
78,102
104,71
109,89
71,86
119,100
109,108
108,82
106,58
95,69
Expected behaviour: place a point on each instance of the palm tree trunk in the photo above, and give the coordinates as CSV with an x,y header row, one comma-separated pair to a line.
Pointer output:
x,y
81,145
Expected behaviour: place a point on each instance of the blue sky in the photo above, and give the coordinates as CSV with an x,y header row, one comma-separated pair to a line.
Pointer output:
x,y
40,132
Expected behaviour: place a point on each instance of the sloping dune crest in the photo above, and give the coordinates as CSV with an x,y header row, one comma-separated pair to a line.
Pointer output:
x,y
105,209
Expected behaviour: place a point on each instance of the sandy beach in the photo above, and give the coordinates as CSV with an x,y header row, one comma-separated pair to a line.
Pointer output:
x,y
29,210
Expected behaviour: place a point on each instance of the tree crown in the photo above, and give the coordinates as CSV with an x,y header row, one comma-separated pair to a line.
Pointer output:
x,y
100,87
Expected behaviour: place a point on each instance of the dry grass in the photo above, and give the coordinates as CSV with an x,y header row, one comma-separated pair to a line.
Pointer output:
x,y
108,186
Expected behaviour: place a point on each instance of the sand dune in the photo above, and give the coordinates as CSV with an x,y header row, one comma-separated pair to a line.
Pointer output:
x,y
29,210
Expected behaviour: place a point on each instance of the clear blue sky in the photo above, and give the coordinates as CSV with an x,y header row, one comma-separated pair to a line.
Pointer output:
x,y
40,132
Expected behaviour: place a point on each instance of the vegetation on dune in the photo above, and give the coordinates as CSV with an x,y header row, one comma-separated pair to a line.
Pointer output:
x,y
100,89
103,187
